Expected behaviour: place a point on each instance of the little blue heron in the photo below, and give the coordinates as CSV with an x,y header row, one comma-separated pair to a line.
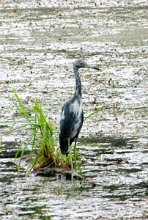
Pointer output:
x,y
72,113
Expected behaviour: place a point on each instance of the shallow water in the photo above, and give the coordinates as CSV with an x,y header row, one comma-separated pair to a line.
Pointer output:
x,y
38,44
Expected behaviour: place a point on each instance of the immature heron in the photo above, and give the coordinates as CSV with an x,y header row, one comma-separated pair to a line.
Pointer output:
x,y
72,112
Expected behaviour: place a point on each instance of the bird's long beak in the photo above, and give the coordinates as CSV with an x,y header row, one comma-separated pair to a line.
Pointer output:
x,y
93,67
96,68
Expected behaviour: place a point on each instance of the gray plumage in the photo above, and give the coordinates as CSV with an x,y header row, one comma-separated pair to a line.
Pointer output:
x,y
72,112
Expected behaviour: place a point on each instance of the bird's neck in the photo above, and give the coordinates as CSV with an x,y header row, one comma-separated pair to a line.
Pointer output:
x,y
78,81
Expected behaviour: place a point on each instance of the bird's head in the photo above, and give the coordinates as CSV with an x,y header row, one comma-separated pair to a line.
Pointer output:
x,y
82,64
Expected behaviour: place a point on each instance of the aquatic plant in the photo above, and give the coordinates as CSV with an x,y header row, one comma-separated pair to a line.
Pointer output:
x,y
42,137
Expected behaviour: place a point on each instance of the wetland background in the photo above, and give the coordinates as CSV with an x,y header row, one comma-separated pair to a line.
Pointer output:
x,y
39,41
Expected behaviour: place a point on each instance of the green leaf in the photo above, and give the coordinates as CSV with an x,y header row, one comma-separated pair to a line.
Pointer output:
x,y
92,114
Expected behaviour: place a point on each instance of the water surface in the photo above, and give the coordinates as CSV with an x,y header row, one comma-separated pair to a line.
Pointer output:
x,y
38,44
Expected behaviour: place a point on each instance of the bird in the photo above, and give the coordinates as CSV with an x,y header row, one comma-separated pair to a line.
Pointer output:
x,y
72,116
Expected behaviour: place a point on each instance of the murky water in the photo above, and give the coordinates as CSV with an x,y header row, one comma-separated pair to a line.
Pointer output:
x,y
38,43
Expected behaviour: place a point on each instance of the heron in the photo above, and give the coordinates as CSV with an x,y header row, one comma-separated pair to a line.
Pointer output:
x,y
72,113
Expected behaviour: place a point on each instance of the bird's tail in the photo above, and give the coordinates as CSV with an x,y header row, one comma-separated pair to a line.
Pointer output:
x,y
64,147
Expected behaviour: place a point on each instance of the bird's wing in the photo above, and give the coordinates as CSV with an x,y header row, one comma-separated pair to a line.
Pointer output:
x,y
71,119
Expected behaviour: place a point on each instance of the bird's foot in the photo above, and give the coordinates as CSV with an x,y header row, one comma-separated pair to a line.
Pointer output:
x,y
77,175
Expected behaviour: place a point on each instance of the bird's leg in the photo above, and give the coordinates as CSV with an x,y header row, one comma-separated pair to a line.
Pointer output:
x,y
75,154
71,161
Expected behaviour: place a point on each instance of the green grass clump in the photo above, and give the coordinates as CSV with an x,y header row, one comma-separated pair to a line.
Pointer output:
x,y
42,137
